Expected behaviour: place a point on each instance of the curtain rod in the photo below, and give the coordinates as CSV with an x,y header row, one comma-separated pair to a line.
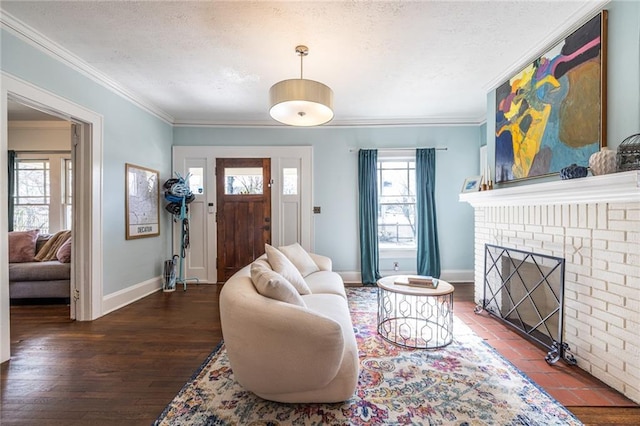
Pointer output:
x,y
437,148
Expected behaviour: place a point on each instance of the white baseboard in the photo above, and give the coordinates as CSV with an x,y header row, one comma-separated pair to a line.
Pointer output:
x,y
450,275
114,301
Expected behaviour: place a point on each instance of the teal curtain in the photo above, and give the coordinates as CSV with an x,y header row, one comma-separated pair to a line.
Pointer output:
x,y
11,160
368,200
427,227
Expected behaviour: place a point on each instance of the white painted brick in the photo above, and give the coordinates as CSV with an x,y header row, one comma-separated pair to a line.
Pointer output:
x,y
599,244
609,256
623,225
525,235
608,235
579,232
597,324
554,230
608,297
578,269
633,258
557,215
608,276
633,237
592,216
623,247
516,227
602,216
614,374
582,215
591,282
573,215
591,302
627,269
609,318
633,215
599,264
616,215
577,306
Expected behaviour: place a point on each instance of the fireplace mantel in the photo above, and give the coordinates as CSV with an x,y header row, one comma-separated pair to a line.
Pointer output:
x,y
616,187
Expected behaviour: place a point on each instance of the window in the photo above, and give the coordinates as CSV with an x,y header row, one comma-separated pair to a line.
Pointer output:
x,y
43,196
289,181
196,180
243,180
32,195
396,203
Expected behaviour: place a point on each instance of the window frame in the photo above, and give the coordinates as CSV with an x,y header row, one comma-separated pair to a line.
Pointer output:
x,y
57,174
387,156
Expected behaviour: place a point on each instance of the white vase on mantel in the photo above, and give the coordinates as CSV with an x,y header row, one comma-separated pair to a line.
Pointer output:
x,y
603,162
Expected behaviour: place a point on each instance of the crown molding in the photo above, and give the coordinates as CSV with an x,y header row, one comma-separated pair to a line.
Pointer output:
x,y
51,48
580,17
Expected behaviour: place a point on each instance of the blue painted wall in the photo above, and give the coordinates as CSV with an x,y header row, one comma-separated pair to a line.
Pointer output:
x,y
335,169
131,135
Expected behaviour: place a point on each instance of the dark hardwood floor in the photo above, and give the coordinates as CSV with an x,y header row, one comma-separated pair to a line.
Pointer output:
x,y
124,368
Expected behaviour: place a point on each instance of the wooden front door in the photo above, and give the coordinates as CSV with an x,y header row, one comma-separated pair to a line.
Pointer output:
x,y
243,216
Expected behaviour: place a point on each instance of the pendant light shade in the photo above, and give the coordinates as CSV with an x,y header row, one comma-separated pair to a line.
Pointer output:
x,y
300,102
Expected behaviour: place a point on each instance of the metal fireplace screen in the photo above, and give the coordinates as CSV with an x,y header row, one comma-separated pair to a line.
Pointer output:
x,y
526,291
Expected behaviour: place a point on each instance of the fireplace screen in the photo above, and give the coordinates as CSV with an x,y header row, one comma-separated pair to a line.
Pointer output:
x,y
526,290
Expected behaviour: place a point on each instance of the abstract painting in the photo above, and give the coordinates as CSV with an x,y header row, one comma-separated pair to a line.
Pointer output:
x,y
553,113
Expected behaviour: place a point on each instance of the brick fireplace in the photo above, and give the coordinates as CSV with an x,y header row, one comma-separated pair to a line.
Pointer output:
x,y
594,224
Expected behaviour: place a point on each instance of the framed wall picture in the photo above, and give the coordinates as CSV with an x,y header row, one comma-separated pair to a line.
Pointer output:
x,y
471,184
553,113
142,204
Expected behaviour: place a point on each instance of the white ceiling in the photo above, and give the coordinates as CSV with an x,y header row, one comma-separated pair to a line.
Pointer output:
x,y
388,62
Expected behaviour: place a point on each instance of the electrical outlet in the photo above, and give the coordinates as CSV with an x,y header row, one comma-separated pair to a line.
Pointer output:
x,y
395,266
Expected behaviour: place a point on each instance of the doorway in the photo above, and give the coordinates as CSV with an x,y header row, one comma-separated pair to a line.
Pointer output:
x,y
243,217
42,193
87,206
290,184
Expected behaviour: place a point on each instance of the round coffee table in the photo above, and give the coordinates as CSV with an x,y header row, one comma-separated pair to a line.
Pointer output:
x,y
415,317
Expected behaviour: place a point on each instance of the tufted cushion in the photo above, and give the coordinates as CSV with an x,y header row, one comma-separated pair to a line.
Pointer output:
x,y
273,285
22,245
284,267
300,259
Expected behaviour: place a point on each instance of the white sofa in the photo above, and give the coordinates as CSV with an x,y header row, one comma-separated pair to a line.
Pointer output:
x,y
286,352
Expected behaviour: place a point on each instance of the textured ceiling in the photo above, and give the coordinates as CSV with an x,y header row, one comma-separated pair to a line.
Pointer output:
x,y
388,62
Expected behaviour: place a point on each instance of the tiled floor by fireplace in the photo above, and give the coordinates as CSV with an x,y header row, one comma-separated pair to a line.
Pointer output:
x,y
570,385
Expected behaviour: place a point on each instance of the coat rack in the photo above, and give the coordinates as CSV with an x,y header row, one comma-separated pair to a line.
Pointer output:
x,y
179,195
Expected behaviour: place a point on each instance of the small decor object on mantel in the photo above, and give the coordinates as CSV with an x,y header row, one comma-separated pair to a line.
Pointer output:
x,y
573,171
629,154
603,162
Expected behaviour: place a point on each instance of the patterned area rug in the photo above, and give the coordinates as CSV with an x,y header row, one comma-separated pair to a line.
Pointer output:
x,y
465,383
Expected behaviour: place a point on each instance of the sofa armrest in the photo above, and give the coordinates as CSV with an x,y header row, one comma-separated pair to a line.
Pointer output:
x,y
323,262
266,338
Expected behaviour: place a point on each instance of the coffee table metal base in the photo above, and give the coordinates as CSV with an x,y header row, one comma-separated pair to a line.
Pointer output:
x,y
418,321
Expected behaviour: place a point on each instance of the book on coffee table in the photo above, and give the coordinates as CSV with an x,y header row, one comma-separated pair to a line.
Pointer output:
x,y
417,281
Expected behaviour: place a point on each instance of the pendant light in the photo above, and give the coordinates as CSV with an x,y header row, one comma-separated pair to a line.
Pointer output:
x,y
300,102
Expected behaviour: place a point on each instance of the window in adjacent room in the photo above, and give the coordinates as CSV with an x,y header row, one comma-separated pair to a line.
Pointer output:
x,y
32,195
396,203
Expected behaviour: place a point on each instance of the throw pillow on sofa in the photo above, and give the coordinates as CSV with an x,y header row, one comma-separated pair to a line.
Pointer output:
x,y
22,245
273,285
284,267
300,259
64,252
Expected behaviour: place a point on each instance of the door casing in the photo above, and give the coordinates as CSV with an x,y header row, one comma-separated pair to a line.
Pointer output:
x,y
283,207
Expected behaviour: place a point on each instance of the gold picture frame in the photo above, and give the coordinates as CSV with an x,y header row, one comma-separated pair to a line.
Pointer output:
x,y
142,202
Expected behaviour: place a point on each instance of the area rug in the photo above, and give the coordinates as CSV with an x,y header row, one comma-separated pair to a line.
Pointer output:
x,y
465,383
